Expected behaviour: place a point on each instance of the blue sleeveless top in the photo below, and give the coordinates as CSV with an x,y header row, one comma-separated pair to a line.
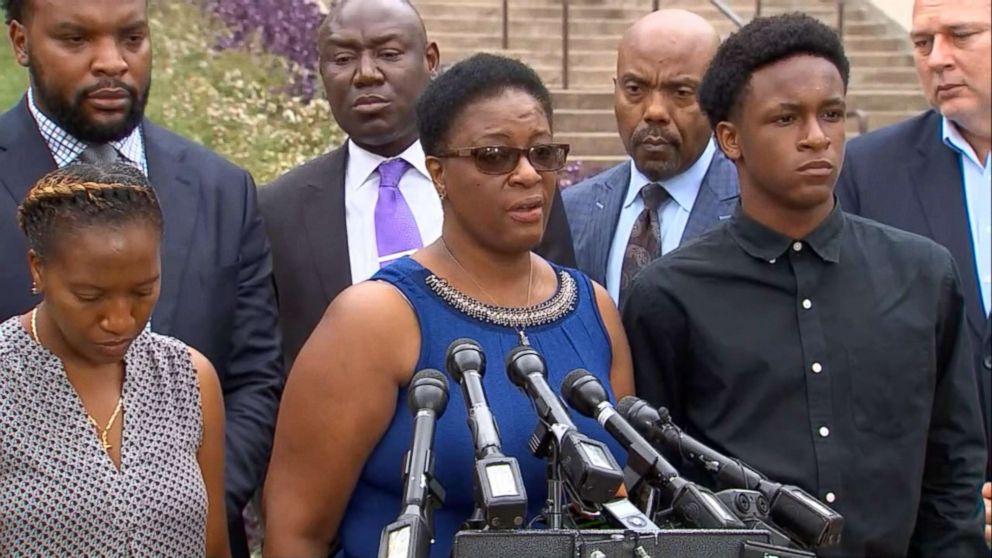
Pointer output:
x,y
576,340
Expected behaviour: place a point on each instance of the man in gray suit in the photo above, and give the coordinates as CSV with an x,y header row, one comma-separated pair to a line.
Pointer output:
x,y
677,183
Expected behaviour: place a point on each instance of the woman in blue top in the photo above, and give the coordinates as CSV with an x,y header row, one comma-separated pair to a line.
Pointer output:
x,y
344,425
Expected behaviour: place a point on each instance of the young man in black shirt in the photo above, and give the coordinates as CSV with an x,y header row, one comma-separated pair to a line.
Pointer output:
x,y
824,349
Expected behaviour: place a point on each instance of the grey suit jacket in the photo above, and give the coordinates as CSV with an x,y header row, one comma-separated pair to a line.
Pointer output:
x,y
304,212
593,208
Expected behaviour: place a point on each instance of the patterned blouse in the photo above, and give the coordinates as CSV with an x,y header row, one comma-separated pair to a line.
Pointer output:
x,y
60,493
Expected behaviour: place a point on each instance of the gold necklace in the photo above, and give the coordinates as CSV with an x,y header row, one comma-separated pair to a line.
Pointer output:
x,y
102,432
530,284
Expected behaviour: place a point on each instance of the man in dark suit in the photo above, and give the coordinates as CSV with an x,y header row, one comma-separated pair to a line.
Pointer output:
x,y
677,183
90,65
930,174
324,218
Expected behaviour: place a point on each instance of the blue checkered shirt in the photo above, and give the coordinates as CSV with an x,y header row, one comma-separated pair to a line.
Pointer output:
x,y
66,149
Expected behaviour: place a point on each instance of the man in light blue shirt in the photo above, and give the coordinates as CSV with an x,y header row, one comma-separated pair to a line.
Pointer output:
x,y
930,174
677,184
976,177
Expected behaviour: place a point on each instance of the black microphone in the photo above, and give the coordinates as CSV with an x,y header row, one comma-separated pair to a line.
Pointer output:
x,y
693,504
805,519
410,535
500,497
591,473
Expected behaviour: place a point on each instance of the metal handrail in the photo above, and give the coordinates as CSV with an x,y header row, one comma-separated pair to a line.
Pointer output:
x,y
564,44
729,12
506,24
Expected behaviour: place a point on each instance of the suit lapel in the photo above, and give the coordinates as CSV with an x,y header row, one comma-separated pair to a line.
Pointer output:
x,y
24,156
178,194
942,201
326,225
608,202
718,194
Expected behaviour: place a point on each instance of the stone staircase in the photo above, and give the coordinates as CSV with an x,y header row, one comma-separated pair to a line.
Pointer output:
x,y
883,81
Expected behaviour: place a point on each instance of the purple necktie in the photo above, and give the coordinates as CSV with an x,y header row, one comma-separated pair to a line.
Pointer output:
x,y
396,232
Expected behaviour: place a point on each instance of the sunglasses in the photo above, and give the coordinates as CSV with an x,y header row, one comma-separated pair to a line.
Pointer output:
x,y
501,159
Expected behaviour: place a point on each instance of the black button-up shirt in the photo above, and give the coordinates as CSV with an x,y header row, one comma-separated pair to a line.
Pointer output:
x,y
839,363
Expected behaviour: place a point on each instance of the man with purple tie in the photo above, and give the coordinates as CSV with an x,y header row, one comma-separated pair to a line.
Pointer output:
x,y
337,219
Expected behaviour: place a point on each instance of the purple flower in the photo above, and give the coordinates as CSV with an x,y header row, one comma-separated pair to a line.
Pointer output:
x,y
286,28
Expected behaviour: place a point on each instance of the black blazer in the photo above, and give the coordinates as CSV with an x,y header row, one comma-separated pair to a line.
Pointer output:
x,y
305,218
905,176
216,293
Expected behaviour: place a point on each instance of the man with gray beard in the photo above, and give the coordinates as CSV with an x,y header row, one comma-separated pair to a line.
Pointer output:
x,y
676,184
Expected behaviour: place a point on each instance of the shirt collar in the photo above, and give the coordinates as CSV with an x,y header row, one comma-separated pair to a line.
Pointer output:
x,y
363,163
952,138
65,148
682,188
763,243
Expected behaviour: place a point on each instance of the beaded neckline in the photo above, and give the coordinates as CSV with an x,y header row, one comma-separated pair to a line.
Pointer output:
x,y
551,310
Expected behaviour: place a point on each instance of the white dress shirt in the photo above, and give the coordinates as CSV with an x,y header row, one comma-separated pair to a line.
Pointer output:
x,y
978,202
361,192
673,215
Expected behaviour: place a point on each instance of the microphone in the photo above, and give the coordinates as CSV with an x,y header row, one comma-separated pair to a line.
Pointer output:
x,y
693,504
410,535
590,472
500,496
804,518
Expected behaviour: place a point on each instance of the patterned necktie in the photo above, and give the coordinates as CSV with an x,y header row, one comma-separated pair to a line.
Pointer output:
x,y
645,238
99,153
396,232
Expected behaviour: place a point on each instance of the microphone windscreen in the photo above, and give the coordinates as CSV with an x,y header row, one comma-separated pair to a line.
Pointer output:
x,y
428,390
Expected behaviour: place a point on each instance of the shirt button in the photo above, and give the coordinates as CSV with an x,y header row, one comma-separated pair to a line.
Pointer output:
x,y
771,261
824,431
807,303
817,368
797,246
831,497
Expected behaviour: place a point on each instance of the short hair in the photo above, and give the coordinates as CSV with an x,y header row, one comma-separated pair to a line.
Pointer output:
x,y
482,76
762,42
13,10
86,195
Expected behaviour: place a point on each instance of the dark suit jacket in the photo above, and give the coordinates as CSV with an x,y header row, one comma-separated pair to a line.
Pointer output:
x,y
216,293
903,175
593,207
305,218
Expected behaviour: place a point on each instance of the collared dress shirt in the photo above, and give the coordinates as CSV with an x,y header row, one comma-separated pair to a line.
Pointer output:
x,y
66,148
838,362
673,215
361,184
978,200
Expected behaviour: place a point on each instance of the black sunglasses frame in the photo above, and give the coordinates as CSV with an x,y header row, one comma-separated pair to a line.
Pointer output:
x,y
517,151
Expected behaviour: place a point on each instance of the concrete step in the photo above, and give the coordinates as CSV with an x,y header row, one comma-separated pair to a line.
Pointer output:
x,y
492,40
607,59
569,121
627,13
865,99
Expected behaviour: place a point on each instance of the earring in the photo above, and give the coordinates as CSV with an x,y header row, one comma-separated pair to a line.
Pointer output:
x,y
34,288
441,192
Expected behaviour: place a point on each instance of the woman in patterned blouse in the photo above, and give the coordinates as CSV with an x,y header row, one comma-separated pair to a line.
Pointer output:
x,y
111,436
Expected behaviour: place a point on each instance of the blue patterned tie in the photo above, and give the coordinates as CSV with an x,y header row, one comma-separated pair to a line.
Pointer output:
x,y
396,232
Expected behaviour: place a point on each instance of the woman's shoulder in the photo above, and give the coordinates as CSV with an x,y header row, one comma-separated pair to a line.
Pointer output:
x,y
162,356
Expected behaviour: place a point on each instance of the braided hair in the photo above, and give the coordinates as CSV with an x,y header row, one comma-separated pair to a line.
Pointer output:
x,y
86,195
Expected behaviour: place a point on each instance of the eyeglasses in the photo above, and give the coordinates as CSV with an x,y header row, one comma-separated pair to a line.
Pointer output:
x,y
501,159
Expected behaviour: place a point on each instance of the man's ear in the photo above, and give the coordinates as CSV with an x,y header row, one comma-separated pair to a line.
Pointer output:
x,y
727,138
433,55
19,40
